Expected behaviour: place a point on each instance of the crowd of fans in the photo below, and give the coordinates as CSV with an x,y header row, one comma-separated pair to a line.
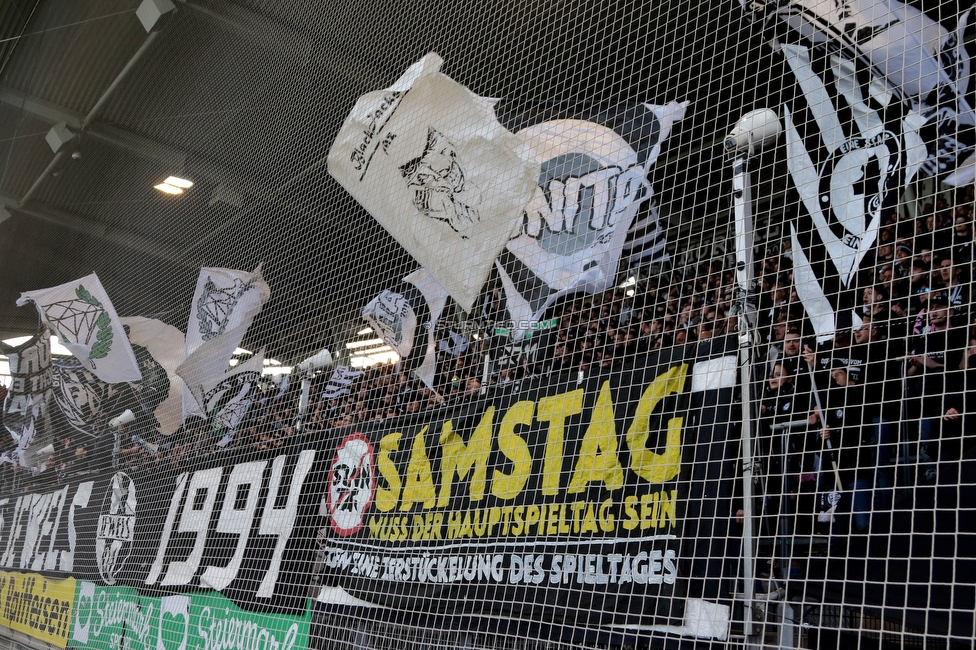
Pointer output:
x,y
890,385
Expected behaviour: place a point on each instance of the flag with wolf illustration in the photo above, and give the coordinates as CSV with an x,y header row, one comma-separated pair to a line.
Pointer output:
x,y
428,159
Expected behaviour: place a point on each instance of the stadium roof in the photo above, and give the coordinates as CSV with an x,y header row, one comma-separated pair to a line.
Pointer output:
x,y
244,98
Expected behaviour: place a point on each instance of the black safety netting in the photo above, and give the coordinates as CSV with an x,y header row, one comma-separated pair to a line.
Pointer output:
x,y
518,325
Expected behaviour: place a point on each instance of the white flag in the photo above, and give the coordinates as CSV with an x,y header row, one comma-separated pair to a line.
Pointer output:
x,y
224,300
430,162
405,318
159,350
82,316
224,304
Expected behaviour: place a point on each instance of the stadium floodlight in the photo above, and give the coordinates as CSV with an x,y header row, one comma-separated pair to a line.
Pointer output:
x,y
754,130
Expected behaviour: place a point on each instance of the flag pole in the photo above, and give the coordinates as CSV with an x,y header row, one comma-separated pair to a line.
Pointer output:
x,y
754,130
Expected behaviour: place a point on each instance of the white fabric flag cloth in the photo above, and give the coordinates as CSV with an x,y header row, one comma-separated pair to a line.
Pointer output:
x,y
164,352
405,317
924,64
594,164
340,383
82,316
224,304
224,300
206,368
430,162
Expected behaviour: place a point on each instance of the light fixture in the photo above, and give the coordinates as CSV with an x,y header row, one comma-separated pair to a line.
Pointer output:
x,y
366,361
363,332
181,183
174,185
56,348
166,188
363,344
276,370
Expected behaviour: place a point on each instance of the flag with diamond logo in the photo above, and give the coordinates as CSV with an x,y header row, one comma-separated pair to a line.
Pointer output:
x,y
81,315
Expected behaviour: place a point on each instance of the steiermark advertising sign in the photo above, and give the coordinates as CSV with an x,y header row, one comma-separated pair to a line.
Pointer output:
x,y
118,617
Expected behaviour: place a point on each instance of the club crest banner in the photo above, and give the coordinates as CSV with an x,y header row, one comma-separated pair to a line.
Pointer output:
x,y
429,161
593,181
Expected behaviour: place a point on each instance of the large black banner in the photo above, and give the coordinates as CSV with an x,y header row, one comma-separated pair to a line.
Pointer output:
x,y
242,528
561,503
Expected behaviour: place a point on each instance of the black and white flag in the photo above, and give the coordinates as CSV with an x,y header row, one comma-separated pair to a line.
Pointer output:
x,y
921,62
340,383
86,403
850,151
405,317
227,402
429,161
594,162
224,304
26,414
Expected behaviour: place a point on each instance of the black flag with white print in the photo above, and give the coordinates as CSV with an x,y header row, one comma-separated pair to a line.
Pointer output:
x,y
924,64
850,150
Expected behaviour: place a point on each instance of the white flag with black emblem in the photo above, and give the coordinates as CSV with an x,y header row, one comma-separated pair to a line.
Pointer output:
x,y
82,316
921,62
430,162
405,317
590,202
224,304
227,402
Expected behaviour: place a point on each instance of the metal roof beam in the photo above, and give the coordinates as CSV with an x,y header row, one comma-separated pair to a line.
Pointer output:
x,y
110,234
40,108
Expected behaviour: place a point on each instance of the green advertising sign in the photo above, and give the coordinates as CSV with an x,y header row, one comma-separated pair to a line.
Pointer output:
x,y
109,618
100,615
